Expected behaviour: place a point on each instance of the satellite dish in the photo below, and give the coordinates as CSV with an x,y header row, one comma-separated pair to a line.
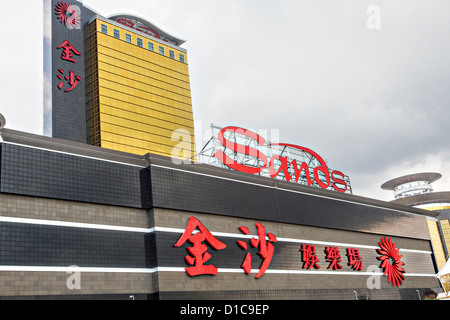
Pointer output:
x,y
2,121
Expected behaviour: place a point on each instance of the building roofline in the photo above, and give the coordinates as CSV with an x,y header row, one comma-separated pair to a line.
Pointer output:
x,y
141,34
84,150
69,147
423,176
178,40
427,198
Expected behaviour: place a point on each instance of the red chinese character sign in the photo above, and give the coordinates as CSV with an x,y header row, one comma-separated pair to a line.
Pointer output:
x,y
309,257
354,259
333,256
201,240
391,261
68,51
71,79
266,249
198,255
67,54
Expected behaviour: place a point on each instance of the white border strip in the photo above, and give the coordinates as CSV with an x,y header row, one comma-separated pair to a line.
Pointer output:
x,y
235,235
72,224
272,187
181,231
72,269
74,154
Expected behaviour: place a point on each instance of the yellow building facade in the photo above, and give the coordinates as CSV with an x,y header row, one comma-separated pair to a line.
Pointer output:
x,y
439,231
138,96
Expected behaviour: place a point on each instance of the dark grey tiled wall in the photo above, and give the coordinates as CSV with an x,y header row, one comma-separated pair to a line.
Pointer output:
x,y
41,173
175,189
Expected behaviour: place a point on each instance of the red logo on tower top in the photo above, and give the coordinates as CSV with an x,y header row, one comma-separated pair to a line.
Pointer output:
x,y
391,263
68,14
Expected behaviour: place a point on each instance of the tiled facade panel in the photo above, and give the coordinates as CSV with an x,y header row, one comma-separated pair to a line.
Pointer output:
x,y
41,245
93,285
181,190
287,257
36,244
327,212
291,294
41,173
38,184
26,207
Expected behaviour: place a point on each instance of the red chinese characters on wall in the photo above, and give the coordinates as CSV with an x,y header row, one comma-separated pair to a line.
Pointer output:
x,y
309,257
70,79
198,255
201,240
354,259
333,257
266,249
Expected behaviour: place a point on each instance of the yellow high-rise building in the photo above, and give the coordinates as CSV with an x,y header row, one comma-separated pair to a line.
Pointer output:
x,y
138,96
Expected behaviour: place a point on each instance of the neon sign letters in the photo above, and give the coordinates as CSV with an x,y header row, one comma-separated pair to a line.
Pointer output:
x,y
279,164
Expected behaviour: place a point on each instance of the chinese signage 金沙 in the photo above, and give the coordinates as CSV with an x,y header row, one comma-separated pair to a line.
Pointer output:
x,y
196,234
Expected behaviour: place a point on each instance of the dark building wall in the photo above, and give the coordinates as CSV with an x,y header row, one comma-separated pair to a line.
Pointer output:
x,y
199,189
64,112
278,282
42,173
59,233
66,203
38,172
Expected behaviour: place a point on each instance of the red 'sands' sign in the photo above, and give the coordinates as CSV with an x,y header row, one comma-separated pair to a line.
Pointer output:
x,y
335,178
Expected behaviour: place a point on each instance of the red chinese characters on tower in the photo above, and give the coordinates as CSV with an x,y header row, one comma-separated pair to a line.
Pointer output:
x,y
198,255
71,79
67,54
68,51
266,249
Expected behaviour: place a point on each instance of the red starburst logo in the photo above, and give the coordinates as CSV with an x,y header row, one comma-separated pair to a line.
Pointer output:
x,y
391,261
68,14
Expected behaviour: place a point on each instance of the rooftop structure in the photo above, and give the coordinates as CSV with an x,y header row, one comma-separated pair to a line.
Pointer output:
x,y
412,184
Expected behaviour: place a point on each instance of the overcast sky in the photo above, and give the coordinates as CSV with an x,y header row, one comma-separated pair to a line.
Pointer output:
x,y
371,96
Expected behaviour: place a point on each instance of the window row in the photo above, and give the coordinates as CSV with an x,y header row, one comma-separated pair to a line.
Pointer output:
x,y
140,43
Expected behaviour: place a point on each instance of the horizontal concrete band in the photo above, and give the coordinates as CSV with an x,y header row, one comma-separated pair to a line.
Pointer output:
x,y
180,231
73,269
